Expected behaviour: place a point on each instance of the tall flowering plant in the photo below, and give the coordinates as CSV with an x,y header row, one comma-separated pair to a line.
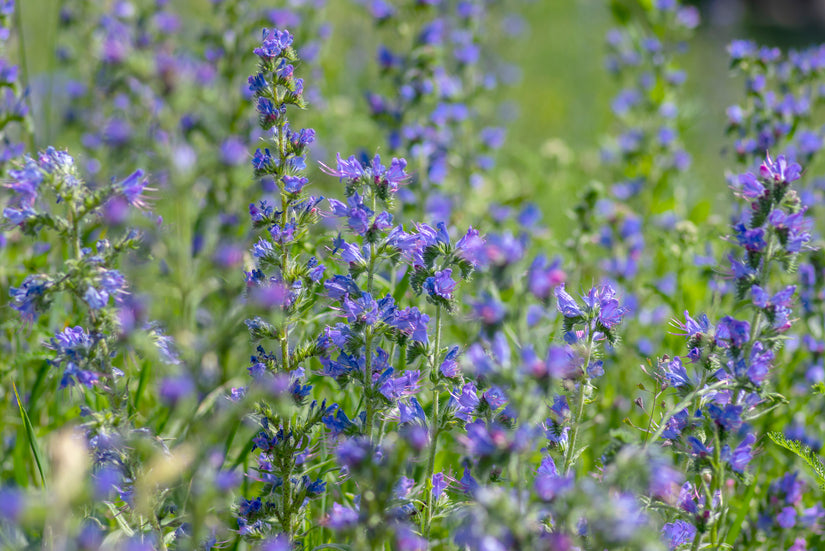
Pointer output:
x,y
283,285
723,384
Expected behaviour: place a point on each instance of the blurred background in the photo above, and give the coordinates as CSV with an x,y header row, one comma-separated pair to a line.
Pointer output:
x,y
558,101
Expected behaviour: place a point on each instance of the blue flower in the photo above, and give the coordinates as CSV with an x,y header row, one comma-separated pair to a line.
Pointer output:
x,y
567,304
780,171
678,533
732,332
441,284
743,454
294,184
273,44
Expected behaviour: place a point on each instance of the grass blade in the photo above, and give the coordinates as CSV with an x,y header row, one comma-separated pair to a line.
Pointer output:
x,y
30,433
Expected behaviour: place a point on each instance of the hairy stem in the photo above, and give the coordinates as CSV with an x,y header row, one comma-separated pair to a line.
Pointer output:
x,y
576,421
435,428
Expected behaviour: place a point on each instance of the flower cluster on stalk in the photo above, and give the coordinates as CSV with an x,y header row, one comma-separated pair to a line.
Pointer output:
x,y
282,286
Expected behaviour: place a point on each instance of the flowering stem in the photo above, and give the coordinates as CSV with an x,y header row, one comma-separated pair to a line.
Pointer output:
x,y
435,429
718,484
368,421
571,448
698,391
24,66
428,483
697,541
286,504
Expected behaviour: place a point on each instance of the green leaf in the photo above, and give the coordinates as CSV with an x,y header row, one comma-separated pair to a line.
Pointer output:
x,y
118,514
30,433
803,451
402,287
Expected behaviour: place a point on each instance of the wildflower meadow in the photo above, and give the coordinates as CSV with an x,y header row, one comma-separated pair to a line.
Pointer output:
x,y
304,275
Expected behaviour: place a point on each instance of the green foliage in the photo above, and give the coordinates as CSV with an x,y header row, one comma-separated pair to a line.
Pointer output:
x,y
803,451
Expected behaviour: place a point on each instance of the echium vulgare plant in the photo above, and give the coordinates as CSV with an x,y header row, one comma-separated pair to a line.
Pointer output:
x,y
646,160
584,328
13,107
782,93
432,99
723,386
283,284
382,339
99,336
149,83
777,113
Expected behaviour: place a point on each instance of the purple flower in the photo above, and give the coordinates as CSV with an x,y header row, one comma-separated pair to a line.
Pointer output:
x,y
549,483
357,214
400,387
12,503
268,111
752,240
728,417
407,540
294,184
693,327
440,483
95,299
391,177
488,310
411,322
786,518
782,299
543,276
441,284
337,424
132,189
466,404
349,169
479,440
760,363
276,543
262,160
675,373
678,533
780,170
743,454
174,389
274,42
732,332
339,286
412,413
341,518
449,367
698,448
25,182
751,187
567,304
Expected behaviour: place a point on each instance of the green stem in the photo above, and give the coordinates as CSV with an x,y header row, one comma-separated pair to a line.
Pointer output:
x,y
576,421
368,422
650,415
24,66
698,391
284,333
368,390
286,503
435,428
697,541
718,485
428,482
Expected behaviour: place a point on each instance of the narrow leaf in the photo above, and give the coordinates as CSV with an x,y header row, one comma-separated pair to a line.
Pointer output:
x,y
30,433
